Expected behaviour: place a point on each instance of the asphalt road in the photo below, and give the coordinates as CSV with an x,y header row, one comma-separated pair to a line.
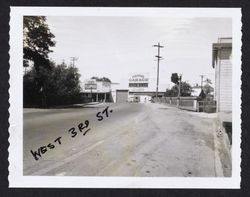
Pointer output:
x,y
135,140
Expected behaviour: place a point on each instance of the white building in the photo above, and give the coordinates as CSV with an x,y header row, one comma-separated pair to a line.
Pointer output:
x,y
196,90
222,63
138,86
94,90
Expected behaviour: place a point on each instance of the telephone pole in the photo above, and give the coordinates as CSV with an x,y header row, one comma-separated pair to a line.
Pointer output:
x,y
202,81
179,85
179,90
73,59
158,63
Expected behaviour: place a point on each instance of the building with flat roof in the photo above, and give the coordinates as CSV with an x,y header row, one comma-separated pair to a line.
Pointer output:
x,y
139,88
94,90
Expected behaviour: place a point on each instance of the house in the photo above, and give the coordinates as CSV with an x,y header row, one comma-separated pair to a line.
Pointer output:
x,y
196,90
222,53
222,63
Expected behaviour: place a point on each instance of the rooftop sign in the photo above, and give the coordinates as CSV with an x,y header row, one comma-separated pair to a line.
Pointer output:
x,y
138,78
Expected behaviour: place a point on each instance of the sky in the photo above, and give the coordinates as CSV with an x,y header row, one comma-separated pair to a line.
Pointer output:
x,y
116,47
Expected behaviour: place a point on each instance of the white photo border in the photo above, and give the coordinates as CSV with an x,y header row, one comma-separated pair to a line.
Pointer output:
x,y
16,178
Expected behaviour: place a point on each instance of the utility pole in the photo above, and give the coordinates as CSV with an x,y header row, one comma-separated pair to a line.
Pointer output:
x,y
179,89
63,62
73,59
202,81
158,63
91,94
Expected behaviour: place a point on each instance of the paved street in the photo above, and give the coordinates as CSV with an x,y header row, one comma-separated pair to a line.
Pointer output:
x,y
135,140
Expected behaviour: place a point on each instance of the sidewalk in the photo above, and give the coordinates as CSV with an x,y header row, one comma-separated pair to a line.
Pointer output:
x,y
199,114
80,105
92,105
32,110
222,157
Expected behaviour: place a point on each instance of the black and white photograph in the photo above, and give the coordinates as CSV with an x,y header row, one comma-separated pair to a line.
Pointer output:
x,y
127,94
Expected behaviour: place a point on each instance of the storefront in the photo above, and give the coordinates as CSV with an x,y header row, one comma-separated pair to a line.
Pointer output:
x,y
96,91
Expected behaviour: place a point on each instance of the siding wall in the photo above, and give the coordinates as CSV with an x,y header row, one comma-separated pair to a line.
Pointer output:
x,y
224,81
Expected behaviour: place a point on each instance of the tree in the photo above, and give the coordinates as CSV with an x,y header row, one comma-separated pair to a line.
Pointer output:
x,y
32,96
186,90
37,40
62,86
175,78
105,79
173,92
65,80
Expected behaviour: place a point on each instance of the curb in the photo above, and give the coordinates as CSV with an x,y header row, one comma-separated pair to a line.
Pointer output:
x,y
217,162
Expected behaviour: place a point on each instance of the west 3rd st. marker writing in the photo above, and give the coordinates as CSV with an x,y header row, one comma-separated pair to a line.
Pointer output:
x,y
82,128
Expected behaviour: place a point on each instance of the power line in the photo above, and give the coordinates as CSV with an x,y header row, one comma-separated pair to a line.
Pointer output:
x,y
158,63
